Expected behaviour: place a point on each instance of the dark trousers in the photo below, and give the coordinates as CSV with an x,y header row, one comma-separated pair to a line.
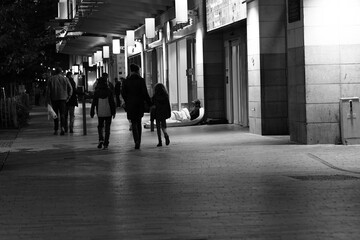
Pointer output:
x,y
152,119
37,99
160,124
136,130
118,101
59,107
104,122
69,117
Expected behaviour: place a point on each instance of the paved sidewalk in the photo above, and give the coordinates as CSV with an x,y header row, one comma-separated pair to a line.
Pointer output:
x,y
7,137
211,182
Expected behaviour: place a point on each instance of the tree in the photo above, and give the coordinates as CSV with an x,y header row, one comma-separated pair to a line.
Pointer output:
x,y
26,46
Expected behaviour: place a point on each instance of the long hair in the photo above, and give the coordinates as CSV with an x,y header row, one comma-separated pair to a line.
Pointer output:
x,y
160,90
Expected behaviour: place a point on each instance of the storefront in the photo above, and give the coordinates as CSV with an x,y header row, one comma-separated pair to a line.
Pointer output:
x,y
226,68
182,82
236,76
170,59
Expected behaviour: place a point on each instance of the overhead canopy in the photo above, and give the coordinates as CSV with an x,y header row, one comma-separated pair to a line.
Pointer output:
x,y
100,20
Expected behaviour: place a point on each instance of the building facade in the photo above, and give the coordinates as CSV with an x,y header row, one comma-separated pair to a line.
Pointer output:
x,y
277,67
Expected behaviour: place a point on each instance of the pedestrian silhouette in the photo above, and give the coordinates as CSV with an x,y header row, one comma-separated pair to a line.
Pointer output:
x,y
135,95
161,111
104,104
59,91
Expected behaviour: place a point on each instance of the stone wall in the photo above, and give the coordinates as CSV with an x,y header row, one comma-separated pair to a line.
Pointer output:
x,y
324,65
268,99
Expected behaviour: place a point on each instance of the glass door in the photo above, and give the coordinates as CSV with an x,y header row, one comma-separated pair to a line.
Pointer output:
x,y
236,83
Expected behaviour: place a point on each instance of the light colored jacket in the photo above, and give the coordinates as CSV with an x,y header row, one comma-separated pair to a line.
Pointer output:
x,y
59,88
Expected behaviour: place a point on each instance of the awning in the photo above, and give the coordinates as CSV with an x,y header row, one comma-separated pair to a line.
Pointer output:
x,y
100,20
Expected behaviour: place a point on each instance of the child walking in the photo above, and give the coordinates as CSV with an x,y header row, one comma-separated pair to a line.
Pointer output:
x,y
162,111
104,103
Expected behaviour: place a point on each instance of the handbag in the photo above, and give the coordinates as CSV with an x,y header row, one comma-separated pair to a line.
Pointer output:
x,y
51,113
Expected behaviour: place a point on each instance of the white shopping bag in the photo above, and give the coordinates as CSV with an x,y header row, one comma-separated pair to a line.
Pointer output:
x,y
51,113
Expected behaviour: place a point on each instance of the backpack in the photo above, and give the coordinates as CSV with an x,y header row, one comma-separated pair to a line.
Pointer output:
x,y
103,108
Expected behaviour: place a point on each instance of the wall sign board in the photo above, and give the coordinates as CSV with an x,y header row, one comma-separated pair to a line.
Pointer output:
x,y
220,13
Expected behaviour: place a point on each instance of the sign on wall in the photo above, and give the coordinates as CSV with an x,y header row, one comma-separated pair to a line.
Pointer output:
x,y
220,13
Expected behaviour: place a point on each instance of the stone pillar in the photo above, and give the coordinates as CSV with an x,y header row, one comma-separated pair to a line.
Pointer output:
x,y
266,38
214,76
324,65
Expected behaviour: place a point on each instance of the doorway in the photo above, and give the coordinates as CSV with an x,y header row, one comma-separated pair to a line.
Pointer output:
x,y
182,80
237,102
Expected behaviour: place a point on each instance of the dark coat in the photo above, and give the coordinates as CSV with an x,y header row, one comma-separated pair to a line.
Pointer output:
x,y
117,88
135,95
102,92
194,113
73,101
58,88
162,107
109,84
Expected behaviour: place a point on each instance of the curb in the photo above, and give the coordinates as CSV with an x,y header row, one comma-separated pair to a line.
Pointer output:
x,y
3,157
7,138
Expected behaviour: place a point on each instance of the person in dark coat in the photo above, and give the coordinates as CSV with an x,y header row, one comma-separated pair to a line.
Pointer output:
x,y
70,105
117,92
135,95
195,112
103,102
37,92
161,111
106,77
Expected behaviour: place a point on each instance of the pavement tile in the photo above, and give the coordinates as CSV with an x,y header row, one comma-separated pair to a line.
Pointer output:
x,y
211,182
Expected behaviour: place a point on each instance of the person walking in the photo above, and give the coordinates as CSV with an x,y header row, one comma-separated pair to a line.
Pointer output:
x,y
162,111
117,92
135,95
106,77
103,102
59,91
70,106
37,91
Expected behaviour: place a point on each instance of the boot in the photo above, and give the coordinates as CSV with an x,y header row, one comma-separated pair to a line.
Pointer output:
x,y
158,130
71,126
100,144
167,139
152,127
